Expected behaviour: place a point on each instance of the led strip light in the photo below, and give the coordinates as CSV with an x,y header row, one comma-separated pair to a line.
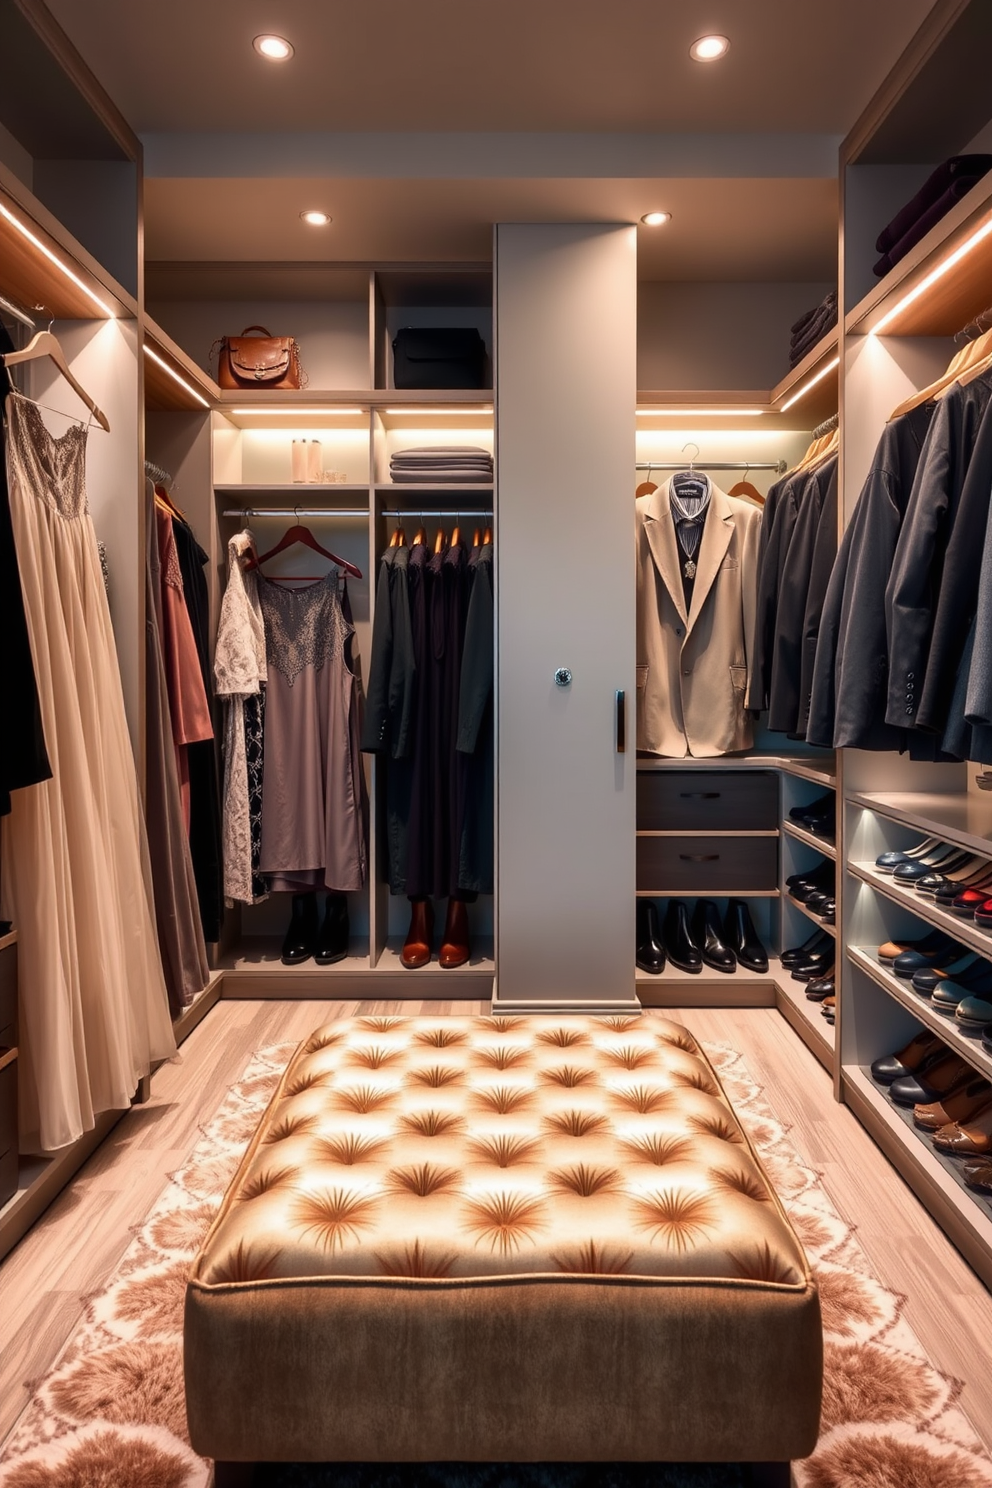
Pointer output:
x,y
187,387
823,372
699,412
54,258
298,413
938,273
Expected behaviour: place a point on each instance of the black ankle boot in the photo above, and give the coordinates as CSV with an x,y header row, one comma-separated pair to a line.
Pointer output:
x,y
679,945
707,935
650,953
739,933
332,942
301,937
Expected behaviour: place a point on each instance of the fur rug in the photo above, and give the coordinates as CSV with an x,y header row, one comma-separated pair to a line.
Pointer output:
x,y
111,1413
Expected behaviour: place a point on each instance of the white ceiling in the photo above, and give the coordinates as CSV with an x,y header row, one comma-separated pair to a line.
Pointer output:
x,y
795,65
419,123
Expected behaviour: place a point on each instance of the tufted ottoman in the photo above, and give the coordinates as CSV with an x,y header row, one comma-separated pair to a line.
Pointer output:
x,y
501,1239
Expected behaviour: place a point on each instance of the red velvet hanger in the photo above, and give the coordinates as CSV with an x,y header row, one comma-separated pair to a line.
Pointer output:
x,y
303,535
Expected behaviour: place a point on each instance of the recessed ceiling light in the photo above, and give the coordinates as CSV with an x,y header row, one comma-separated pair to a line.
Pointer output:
x,y
274,48
316,219
709,48
656,219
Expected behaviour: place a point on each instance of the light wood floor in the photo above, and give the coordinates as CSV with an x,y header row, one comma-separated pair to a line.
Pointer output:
x,y
75,1246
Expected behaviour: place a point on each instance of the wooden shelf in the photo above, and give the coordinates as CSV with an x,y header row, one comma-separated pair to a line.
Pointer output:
x,y
718,894
954,299
809,915
304,491
8,940
8,1056
821,844
435,489
261,401
967,1045
817,1034
812,770
162,392
708,988
798,767
821,400
708,832
254,969
958,817
964,930
935,1179
29,278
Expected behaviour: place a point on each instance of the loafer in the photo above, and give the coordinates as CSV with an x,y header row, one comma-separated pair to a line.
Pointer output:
x,y
808,889
967,902
907,1059
707,932
983,914
796,954
978,1175
973,1014
911,873
972,1138
961,1106
935,940
824,805
821,988
739,933
827,913
887,861
815,901
932,1082
909,962
817,967
947,995
927,977
332,939
931,882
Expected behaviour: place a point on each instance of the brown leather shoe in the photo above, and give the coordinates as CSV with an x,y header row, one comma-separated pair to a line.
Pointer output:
x,y
973,1139
959,1107
420,936
978,1175
455,949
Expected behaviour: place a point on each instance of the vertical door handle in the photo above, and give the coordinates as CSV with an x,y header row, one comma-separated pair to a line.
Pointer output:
x,y
621,722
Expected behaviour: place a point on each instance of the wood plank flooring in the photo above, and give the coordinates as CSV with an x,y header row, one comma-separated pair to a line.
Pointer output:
x,y
75,1246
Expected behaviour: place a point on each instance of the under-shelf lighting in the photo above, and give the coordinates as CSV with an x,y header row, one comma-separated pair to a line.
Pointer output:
x,y
300,413
823,372
53,258
945,265
442,412
186,386
700,412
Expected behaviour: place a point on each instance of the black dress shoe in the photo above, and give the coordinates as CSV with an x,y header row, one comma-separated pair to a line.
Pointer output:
x,y
301,937
934,1079
820,880
827,912
679,946
818,941
650,953
821,987
912,1056
815,968
739,933
817,900
706,932
332,942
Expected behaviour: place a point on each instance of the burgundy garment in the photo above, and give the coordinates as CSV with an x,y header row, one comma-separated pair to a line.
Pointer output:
x,y
933,188
927,219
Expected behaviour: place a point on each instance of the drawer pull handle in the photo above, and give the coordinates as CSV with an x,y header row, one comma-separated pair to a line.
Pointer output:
x,y
621,701
700,857
699,795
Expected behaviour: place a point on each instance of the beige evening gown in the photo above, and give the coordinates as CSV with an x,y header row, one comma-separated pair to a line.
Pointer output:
x,y
76,881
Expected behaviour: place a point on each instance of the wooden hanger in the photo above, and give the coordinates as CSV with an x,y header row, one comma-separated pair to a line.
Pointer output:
x,y
44,344
303,536
421,535
646,487
456,535
476,538
394,541
439,542
747,490
487,536
966,359
977,364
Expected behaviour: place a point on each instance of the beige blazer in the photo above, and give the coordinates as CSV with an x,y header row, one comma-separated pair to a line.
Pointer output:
x,y
693,669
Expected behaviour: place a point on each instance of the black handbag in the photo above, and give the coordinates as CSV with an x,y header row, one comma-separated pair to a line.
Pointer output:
x,y
445,357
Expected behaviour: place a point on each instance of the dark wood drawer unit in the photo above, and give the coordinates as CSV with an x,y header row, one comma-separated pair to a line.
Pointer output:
x,y
706,865
701,800
8,1131
8,997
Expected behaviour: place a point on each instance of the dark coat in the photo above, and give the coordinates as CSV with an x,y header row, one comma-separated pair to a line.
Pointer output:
x,y
918,568
390,708
476,741
850,671
824,555
769,545
785,695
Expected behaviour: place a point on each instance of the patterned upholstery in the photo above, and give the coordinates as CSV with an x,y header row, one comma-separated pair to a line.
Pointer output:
x,y
460,1147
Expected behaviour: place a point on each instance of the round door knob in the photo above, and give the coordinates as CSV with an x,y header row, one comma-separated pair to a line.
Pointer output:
x,y
563,677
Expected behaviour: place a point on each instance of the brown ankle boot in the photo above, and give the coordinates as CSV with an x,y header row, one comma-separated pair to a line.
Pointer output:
x,y
455,949
420,936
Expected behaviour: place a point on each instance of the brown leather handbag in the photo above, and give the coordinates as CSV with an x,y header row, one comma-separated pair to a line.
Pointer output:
x,y
259,361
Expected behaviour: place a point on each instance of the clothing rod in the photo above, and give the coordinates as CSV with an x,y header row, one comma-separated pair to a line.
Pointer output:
x,y
779,466
17,312
425,511
297,511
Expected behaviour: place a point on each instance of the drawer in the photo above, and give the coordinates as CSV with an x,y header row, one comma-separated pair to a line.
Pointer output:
x,y
706,865
8,987
694,800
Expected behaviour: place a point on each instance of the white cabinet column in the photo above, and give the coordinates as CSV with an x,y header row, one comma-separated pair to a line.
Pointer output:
x,y
566,358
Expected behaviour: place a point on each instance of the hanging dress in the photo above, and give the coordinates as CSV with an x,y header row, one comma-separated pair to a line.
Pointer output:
x,y
240,675
313,817
75,872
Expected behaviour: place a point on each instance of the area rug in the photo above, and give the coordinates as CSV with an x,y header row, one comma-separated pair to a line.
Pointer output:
x,y
111,1413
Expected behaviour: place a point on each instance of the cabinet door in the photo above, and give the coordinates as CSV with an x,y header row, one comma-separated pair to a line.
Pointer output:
x,y
566,357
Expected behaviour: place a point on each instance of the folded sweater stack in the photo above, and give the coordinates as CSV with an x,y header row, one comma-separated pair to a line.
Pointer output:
x,y
442,464
935,198
811,327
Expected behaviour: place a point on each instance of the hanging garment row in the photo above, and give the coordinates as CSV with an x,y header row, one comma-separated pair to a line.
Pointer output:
x,y
796,551
294,803
76,876
429,718
903,660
